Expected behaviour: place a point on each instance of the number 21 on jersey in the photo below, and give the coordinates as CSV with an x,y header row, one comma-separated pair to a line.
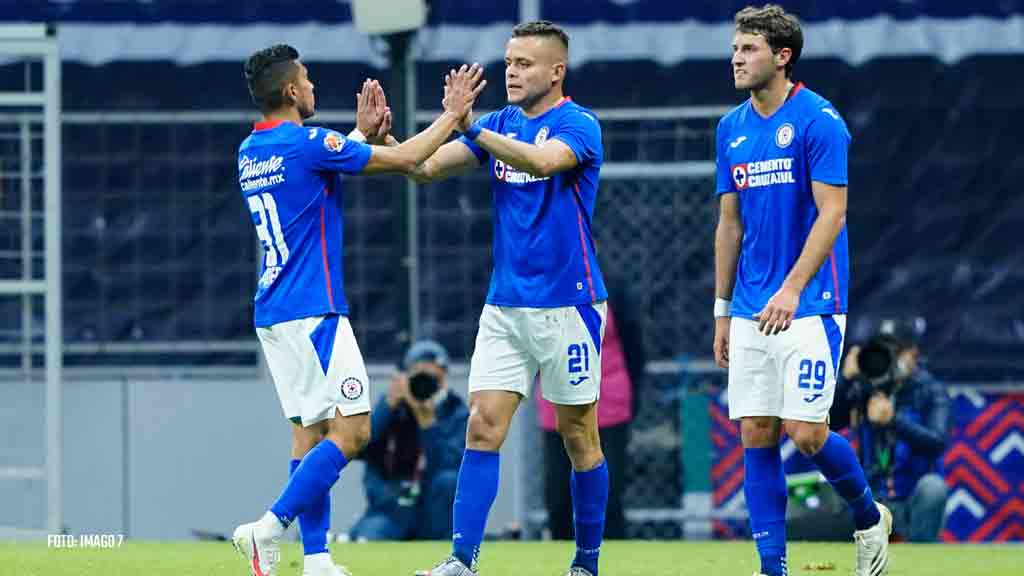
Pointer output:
x,y
579,361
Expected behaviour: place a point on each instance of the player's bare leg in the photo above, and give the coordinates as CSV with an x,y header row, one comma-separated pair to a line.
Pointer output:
x,y
578,427
349,433
490,415
305,438
589,483
760,431
840,466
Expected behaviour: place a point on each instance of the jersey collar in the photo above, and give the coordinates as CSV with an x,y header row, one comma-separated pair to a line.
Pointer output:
x,y
792,94
267,125
557,105
793,91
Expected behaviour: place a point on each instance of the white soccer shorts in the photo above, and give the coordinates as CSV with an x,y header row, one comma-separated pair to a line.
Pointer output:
x,y
316,367
791,375
562,344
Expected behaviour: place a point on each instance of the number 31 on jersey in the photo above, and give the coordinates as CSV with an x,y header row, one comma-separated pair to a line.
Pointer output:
x,y
268,229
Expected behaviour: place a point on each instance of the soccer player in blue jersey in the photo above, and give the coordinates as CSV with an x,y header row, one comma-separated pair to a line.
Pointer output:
x,y
781,283
545,308
290,179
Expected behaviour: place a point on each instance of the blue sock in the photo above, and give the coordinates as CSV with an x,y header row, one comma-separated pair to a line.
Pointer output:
x,y
314,523
839,464
313,478
764,485
589,502
474,494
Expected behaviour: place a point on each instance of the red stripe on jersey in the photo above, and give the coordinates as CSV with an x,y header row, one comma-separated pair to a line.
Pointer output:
x,y
835,280
266,125
796,88
583,244
323,252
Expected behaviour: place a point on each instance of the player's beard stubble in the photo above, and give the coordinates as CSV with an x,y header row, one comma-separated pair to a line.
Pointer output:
x,y
528,99
306,109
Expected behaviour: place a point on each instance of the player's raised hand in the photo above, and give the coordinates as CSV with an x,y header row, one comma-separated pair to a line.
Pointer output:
x,y
778,313
385,127
371,108
466,120
461,88
722,341
383,113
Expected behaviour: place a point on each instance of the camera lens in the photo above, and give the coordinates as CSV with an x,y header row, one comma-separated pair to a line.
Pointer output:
x,y
875,360
423,385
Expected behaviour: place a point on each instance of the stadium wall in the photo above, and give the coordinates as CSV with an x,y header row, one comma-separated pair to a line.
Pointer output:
x,y
157,454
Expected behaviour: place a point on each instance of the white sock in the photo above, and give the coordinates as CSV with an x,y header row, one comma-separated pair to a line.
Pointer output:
x,y
315,563
270,523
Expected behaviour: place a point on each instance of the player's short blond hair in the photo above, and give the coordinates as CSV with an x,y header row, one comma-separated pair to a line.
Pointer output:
x,y
779,28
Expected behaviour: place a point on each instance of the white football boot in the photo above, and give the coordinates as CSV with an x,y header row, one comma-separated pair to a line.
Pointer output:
x,y
873,546
259,543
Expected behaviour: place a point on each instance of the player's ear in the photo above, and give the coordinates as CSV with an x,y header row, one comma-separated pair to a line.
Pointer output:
x,y
557,72
782,57
291,93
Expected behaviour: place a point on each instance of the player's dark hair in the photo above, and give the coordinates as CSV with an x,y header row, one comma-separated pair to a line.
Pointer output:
x,y
541,28
267,71
779,28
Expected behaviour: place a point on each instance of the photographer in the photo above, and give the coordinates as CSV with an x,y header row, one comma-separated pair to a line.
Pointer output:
x,y
416,444
898,413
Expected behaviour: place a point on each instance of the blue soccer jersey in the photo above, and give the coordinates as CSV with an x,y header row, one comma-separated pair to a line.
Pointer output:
x,y
543,243
770,163
289,176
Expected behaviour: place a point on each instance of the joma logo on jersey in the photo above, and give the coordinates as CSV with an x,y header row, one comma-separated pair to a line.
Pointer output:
x,y
763,173
251,168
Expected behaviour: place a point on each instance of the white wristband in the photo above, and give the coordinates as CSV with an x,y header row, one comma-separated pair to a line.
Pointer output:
x,y
356,135
723,308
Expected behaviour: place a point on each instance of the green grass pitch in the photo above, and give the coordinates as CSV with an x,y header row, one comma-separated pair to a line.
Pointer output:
x,y
628,558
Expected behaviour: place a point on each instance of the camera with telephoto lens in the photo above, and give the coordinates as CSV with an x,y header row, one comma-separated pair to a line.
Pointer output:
x,y
423,385
877,363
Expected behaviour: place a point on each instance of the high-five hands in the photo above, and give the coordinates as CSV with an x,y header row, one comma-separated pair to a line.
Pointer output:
x,y
373,116
461,88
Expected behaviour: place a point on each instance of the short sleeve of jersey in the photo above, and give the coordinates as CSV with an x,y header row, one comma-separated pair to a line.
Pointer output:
x,y
828,144
489,122
332,152
582,133
723,174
